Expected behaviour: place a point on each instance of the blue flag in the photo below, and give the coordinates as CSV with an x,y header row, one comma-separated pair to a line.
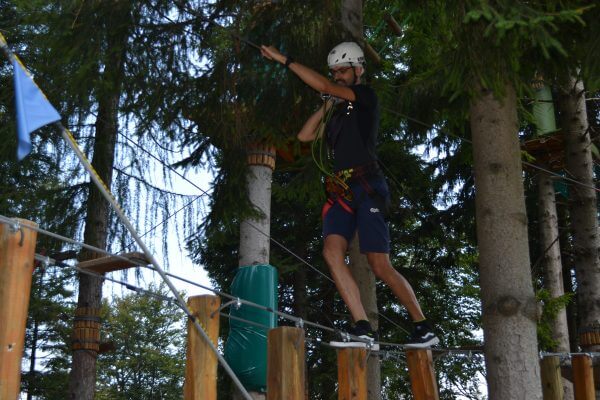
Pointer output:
x,y
33,108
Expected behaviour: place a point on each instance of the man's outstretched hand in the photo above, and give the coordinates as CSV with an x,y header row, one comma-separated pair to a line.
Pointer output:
x,y
272,53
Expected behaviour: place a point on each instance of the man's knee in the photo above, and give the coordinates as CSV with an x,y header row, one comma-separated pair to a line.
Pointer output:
x,y
380,264
332,255
334,249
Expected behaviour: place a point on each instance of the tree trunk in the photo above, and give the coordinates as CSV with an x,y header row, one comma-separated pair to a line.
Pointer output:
x,y
352,21
300,297
567,265
82,378
254,245
552,265
510,309
582,208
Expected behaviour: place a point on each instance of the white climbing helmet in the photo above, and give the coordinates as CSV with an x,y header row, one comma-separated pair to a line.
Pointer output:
x,y
346,53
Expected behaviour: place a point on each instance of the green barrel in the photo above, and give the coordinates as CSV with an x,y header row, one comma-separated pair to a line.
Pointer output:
x,y
246,346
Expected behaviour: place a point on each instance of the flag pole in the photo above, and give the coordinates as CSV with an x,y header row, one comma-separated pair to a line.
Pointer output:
x,y
105,191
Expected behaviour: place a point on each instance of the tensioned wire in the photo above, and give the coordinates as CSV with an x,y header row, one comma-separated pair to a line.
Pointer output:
x,y
9,221
298,321
45,259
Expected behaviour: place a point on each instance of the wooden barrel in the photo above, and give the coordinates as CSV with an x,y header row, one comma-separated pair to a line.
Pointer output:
x,y
589,338
86,329
261,154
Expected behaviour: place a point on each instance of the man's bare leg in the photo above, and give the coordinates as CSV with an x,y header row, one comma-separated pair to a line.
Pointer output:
x,y
334,252
383,269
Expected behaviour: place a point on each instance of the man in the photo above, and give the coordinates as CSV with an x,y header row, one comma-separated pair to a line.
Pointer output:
x,y
358,193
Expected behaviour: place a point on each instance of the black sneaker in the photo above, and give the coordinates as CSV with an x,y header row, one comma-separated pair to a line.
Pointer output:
x,y
363,337
422,337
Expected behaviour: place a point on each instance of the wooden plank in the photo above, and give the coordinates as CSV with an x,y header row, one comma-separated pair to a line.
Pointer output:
x,y
583,377
552,383
286,364
422,375
17,251
352,373
111,263
201,362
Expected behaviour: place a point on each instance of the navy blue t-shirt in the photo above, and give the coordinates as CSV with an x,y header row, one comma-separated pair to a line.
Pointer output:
x,y
352,129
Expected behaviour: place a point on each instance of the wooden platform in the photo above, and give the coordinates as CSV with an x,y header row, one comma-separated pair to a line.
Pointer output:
x,y
548,150
112,263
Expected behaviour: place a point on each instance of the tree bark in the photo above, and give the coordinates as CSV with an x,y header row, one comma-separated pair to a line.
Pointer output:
x,y
255,246
510,309
583,209
82,378
552,265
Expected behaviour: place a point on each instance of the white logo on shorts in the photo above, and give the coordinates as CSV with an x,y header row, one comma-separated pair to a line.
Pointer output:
x,y
374,210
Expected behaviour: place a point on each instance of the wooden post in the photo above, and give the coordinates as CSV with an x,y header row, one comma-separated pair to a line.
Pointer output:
x,y
17,252
352,373
285,364
583,377
422,376
552,383
201,362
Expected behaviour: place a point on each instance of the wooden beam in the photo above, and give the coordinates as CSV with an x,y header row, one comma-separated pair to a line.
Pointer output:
x,y
17,251
201,361
552,383
286,364
352,373
112,263
422,375
583,377
394,26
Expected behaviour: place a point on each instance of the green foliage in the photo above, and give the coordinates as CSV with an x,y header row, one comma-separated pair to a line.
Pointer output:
x,y
47,337
551,306
148,360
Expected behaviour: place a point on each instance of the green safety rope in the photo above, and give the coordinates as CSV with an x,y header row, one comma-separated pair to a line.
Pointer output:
x,y
320,152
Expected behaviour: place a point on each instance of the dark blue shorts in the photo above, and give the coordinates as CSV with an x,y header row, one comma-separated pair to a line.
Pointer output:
x,y
367,217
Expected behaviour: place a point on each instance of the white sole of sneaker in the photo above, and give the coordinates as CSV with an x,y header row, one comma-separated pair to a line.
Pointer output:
x,y
429,343
359,345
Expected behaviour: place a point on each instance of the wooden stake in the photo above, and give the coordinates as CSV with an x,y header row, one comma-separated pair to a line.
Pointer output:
x,y
285,365
201,362
422,376
17,251
583,377
352,374
552,383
